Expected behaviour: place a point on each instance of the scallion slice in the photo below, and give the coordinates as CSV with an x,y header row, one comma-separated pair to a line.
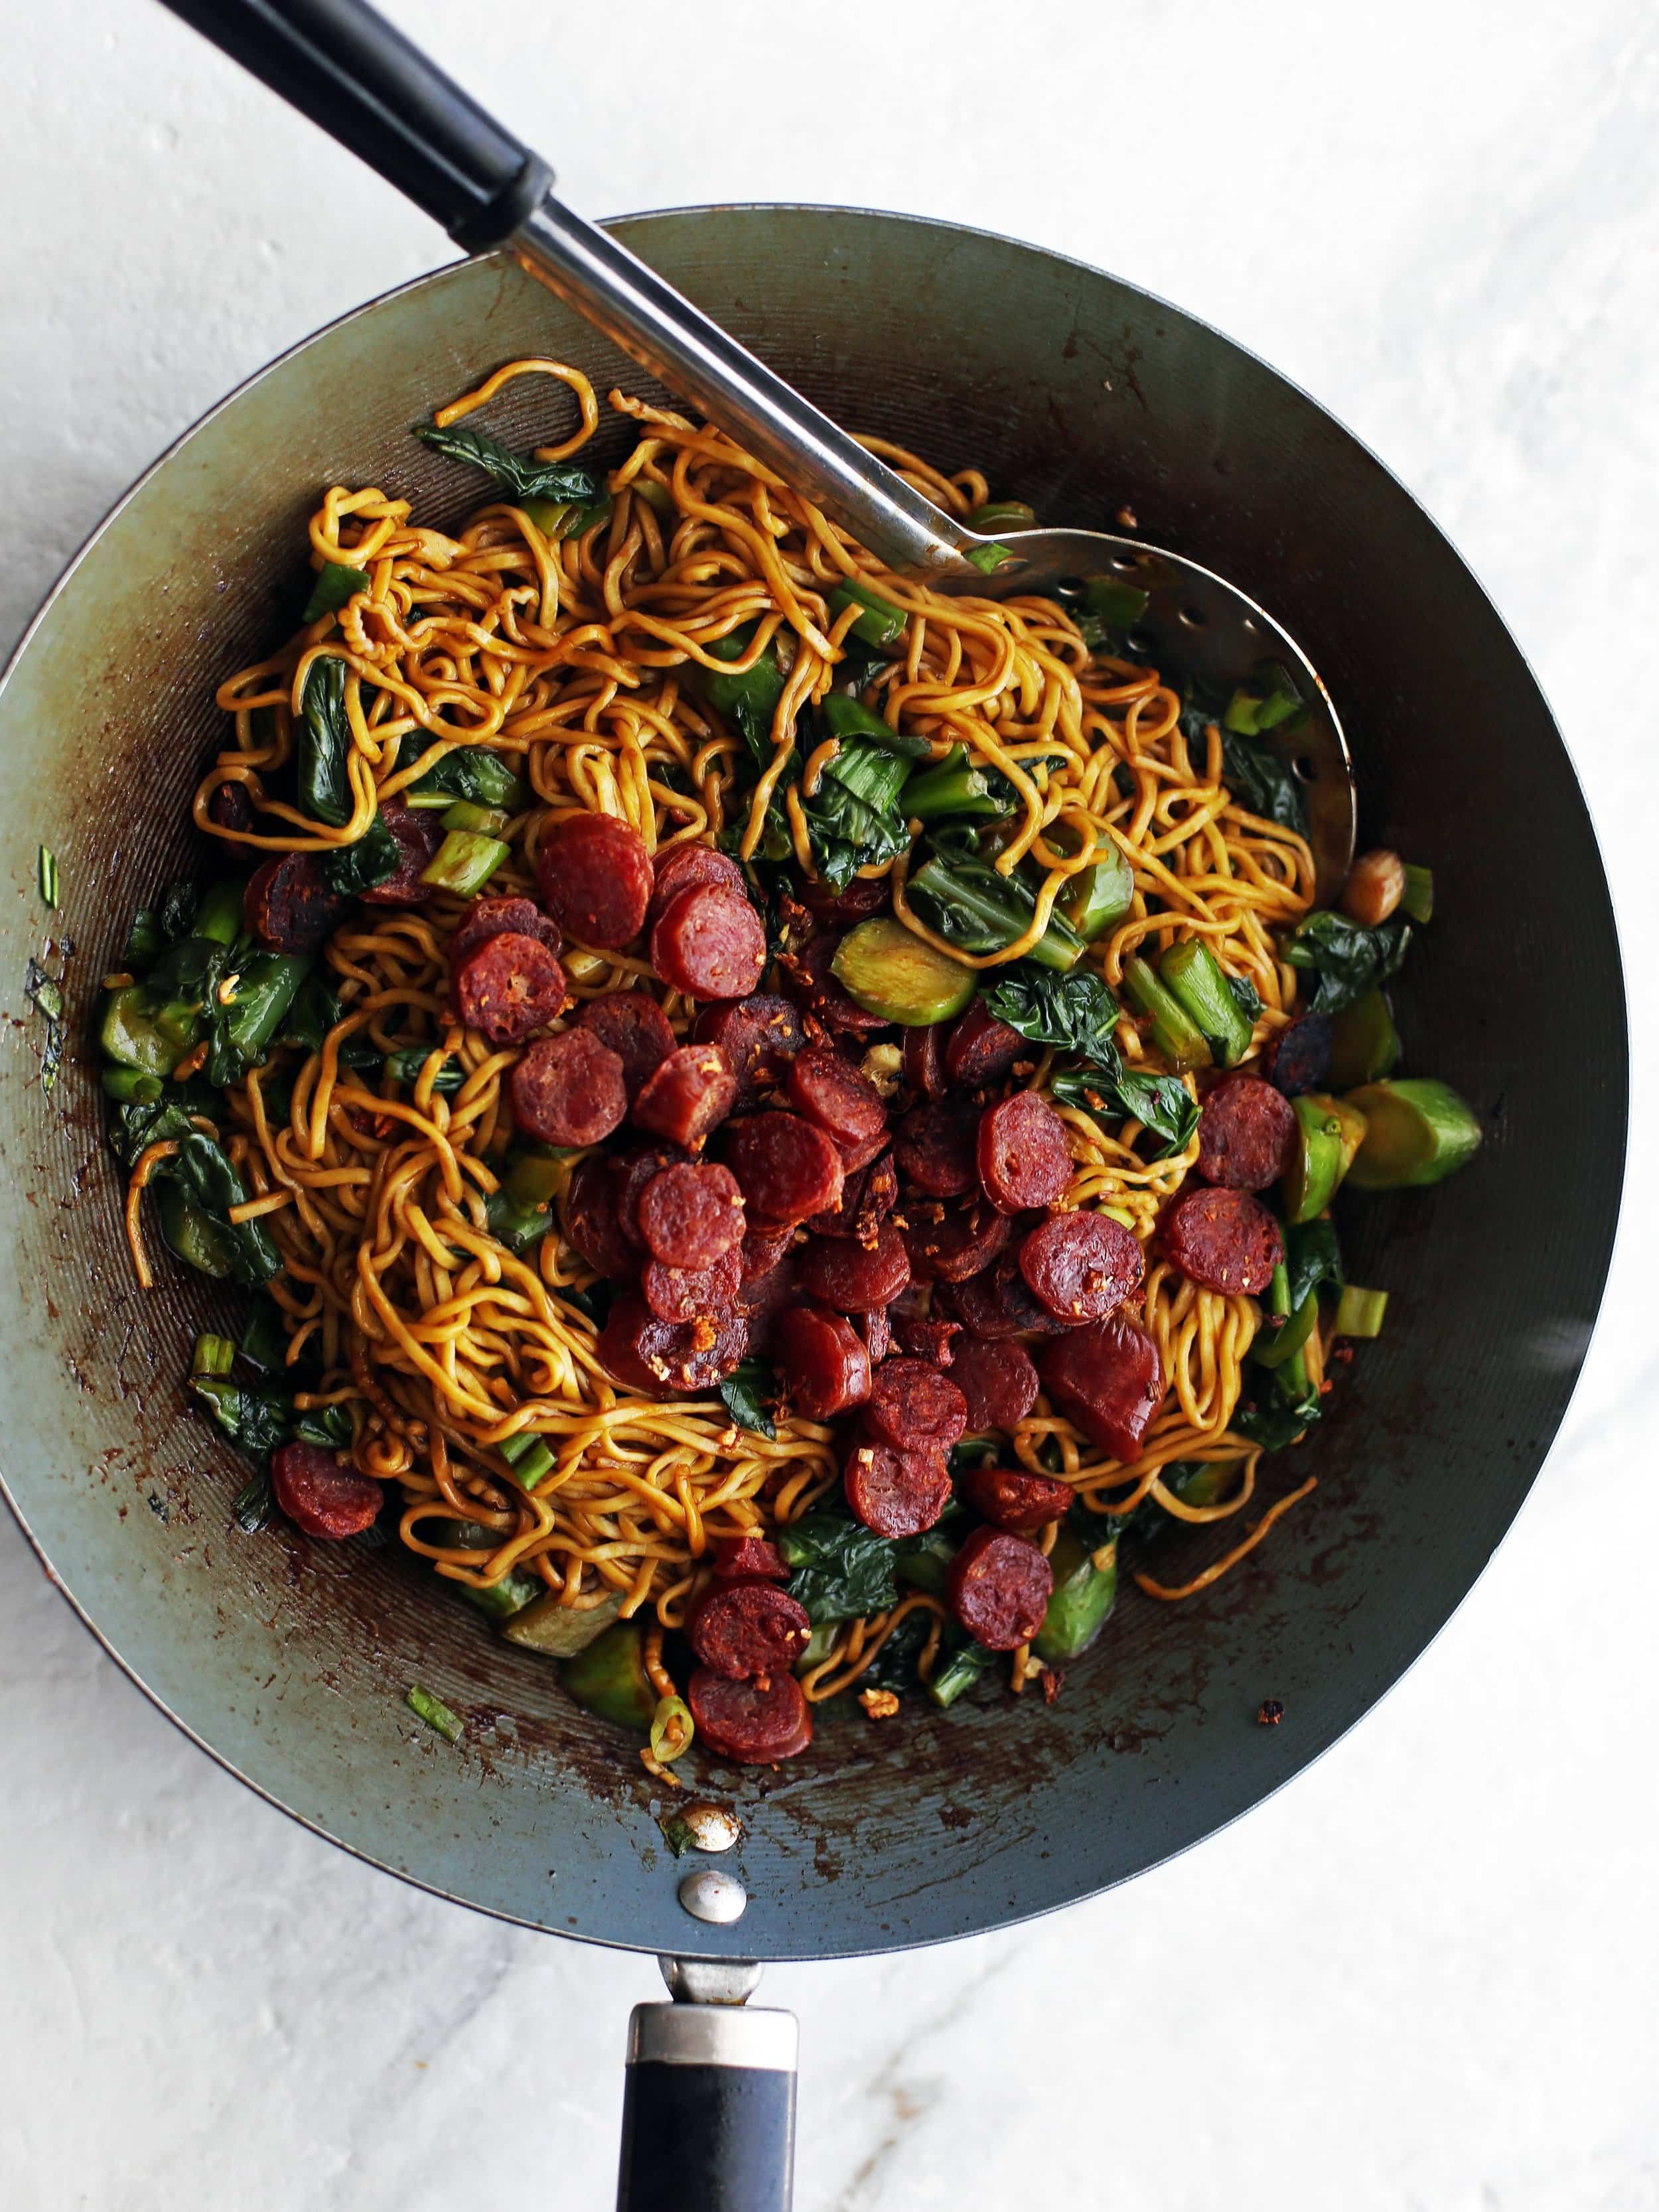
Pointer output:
x,y
435,1712
465,862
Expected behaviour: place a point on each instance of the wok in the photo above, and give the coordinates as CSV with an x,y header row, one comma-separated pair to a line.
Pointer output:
x,y
287,1661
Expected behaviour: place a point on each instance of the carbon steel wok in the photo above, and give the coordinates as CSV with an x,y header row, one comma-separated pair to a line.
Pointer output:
x,y
288,1661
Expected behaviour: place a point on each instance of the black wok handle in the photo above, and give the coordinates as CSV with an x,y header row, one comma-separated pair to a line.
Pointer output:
x,y
709,2113
345,67
339,63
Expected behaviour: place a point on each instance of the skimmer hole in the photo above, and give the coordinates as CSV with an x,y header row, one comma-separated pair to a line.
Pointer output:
x,y
1069,587
1195,618
1139,645
1124,563
1305,769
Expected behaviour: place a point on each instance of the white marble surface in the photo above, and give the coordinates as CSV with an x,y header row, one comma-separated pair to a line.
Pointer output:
x,y
1424,1976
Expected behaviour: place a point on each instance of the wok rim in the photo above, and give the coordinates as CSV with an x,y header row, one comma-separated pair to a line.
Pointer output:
x,y
1019,1915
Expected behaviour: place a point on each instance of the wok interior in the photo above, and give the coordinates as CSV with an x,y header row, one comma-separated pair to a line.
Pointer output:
x,y
288,1659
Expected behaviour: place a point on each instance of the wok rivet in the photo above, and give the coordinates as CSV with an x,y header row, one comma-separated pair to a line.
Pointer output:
x,y
713,1895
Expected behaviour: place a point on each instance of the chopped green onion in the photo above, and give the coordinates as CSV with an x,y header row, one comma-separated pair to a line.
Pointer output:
x,y
490,821
1114,604
672,1729
48,874
1002,514
989,558
1192,972
435,1712
1275,1345
130,1086
880,623
1175,1035
677,1833
527,1455
1360,1312
955,1674
47,997
465,862
335,584
1417,898
1269,698
212,1355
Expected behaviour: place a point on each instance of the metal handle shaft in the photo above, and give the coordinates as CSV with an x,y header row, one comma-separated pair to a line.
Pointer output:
x,y
345,67
658,327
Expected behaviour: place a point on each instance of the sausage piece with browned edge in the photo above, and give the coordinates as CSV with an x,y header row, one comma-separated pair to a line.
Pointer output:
x,y
755,1723
594,876
692,1294
689,1094
763,1249
863,896
1010,1498
924,1060
1222,1240
709,943
1106,1378
1021,1155
499,917
592,1219
746,1629
998,1301
682,867
417,833
1081,1265
935,1147
896,1493
507,986
914,1408
635,1027
288,906
823,1362
875,1332
568,1089
998,1380
319,1496
764,1299
853,1277
998,1586
948,1243
759,1035
789,1167
748,1558
812,984
1299,1058
665,1358
835,1094
868,1195
981,1049
1246,1134
928,1336
691,1214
